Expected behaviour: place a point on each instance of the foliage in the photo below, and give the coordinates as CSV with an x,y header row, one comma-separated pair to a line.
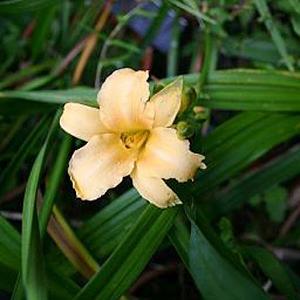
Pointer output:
x,y
237,234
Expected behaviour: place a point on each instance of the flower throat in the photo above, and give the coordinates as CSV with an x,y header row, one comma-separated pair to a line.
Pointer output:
x,y
134,139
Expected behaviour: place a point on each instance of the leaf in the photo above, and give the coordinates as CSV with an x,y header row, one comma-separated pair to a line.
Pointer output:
x,y
21,6
276,203
8,277
272,269
9,245
215,276
55,179
78,94
278,170
239,151
192,8
229,87
131,256
105,230
70,245
253,77
30,142
296,5
25,73
264,12
258,98
33,269
44,21
295,20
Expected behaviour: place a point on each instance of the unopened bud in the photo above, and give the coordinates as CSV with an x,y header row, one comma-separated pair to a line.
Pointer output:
x,y
201,113
184,130
187,97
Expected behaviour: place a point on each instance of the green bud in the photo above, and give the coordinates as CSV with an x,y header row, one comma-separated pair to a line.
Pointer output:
x,y
188,96
200,112
184,130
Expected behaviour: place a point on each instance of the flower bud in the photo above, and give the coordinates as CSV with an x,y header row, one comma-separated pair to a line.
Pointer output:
x,y
201,113
184,130
188,96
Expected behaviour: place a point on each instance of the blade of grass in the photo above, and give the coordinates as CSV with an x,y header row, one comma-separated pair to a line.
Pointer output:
x,y
215,276
25,73
192,10
33,269
21,6
105,230
54,181
172,59
22,153
230,158
279,170
273,269
131,256
263,9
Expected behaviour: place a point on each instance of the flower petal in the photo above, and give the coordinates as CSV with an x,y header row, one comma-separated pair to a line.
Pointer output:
x,y
123,101
166,156
167,103
81,121
154,190
100,165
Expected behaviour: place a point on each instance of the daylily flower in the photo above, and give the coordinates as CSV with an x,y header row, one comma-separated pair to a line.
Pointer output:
x,y
129,135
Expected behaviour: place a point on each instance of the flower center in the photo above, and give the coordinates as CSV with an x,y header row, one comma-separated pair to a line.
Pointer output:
x,y
134,139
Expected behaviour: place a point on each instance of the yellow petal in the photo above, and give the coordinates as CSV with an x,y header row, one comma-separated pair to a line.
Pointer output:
x,y
100,165
81,121
166,156
167,103
123,101
154,190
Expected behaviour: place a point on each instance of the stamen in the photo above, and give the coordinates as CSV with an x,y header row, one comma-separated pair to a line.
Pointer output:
x,y
134,139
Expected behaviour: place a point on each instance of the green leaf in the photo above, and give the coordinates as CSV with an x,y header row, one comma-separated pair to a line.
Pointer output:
x,y
44,21
30,142
192,8
272,269
276,203
131,256
216,277
9,245
265,14
105,230
296,5
271,91
252,77
281,169
8,277
56,176
78,94
295,20
33,269
21,6
258,98
239,151
25,73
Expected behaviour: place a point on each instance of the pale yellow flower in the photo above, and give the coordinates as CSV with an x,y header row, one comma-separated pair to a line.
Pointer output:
x,y
129,135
